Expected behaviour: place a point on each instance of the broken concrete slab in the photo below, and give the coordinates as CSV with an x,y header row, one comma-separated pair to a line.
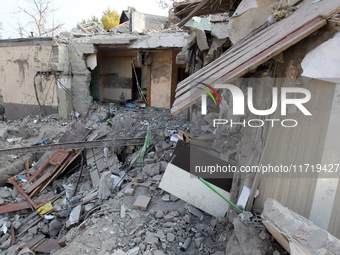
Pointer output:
x,y
3,134
193,191
322,62
184,55
249,239
152,169
250,19
194,211
54,227
220,30
129,191
151,238
119,252
109,244
296,233
201,37
159,215
170,237
158,252
162,40
141,202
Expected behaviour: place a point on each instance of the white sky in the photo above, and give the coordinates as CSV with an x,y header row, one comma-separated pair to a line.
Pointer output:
x,y
70,12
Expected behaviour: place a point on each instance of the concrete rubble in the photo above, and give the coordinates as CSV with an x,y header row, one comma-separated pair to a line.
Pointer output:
x,y
137,217
114,178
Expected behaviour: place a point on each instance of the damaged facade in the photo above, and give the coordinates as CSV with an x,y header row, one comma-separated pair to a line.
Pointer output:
x,y
288,53
107,66
123,178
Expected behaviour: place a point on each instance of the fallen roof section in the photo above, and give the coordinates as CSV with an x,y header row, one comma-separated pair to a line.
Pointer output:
x,y
186,10
261,45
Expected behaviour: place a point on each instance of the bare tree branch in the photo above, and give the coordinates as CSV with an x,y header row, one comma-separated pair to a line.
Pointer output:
x,y
39,13
1,29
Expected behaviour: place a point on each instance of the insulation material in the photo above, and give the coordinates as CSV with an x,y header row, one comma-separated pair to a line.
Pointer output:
x,y
323,62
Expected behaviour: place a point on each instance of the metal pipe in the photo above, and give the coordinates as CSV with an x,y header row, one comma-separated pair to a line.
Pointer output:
x,y
186,244
218,193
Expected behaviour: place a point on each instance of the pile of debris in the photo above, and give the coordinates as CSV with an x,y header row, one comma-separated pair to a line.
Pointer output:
x,y
98,185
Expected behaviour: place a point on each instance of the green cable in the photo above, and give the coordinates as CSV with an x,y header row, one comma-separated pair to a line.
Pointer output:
x,y
218,193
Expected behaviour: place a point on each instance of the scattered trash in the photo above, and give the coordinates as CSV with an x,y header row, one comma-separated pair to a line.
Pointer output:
x,y
45,208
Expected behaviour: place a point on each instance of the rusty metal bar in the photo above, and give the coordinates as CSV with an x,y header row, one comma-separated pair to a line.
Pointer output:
x,y
74,145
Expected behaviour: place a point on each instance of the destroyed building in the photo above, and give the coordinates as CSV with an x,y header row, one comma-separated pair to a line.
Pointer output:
x,y
141,109
137,55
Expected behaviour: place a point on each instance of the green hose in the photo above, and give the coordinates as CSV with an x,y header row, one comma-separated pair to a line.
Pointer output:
x,y
218,193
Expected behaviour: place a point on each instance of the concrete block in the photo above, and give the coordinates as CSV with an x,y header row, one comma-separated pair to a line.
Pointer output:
x,y
109,244
141,203
151,238
220,30
284,224
170,237
119,252
129,191
158,252
201,39
3,134
62,241
152,169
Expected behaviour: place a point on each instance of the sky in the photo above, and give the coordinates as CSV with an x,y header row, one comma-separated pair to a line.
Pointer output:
x,y
70,12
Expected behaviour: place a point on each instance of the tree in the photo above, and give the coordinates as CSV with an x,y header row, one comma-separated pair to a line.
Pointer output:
x,y
1,29
91,19
39,12
167,4
110,19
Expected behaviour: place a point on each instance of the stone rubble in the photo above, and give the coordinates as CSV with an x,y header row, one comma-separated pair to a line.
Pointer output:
x,y
135,218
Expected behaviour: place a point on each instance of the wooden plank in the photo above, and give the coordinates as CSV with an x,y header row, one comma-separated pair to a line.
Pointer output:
x,y
192,13
27,169
12,234
24,205
39,182
280,237
185,186
185,100
83,202
74,145
22,192
37,239
56,159
48,246
229,65
148,85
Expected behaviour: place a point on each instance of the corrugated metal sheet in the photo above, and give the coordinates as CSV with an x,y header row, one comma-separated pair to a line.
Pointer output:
x,y
261,45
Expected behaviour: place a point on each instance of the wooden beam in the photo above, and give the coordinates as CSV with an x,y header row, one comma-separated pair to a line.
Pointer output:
x,y
149,85
24,205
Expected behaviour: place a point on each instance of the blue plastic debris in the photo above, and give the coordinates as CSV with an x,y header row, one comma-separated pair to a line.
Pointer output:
x,y
44,141
130,105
